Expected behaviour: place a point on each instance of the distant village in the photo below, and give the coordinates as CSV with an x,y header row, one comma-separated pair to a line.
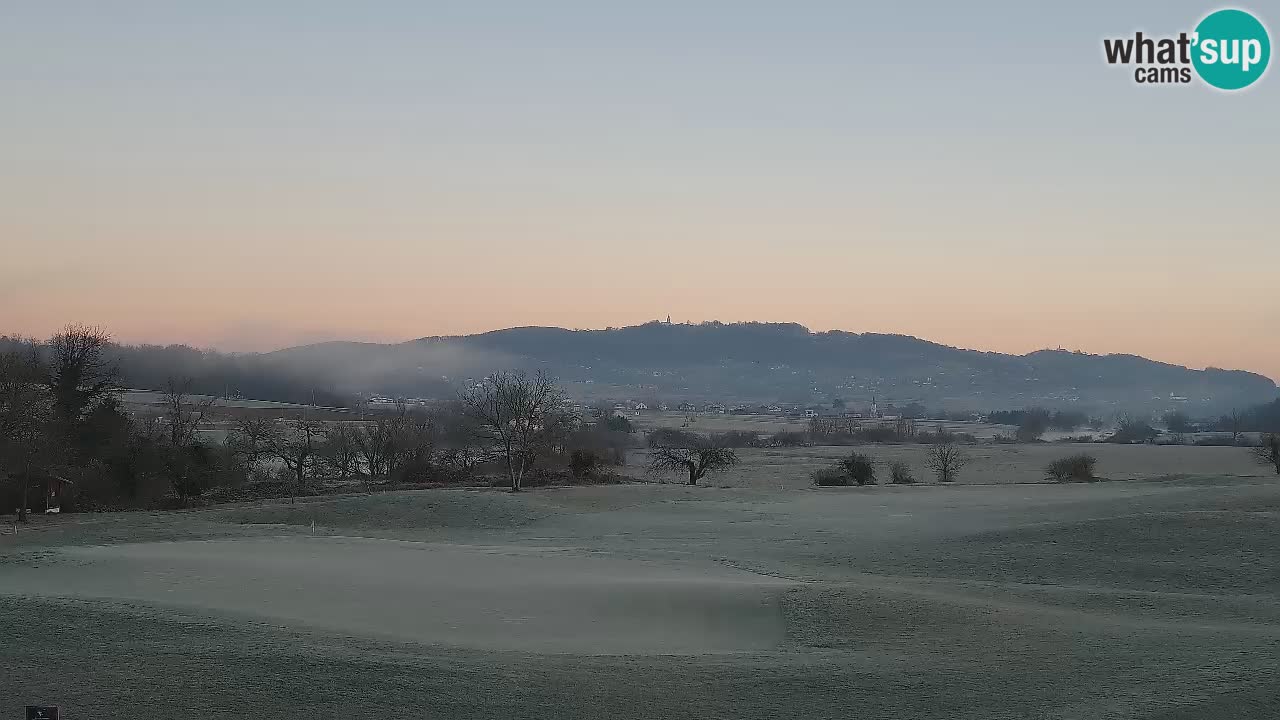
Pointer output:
x,y
838,409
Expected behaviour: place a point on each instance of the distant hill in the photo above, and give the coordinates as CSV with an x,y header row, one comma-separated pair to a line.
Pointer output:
x,y
769,362
709,362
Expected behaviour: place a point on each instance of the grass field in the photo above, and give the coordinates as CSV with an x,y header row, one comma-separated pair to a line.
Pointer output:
x,y
1141,599
783,468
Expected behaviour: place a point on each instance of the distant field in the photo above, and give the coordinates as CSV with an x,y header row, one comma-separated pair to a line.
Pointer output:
x,y
715,423
778,468
153,397
769,424
229,410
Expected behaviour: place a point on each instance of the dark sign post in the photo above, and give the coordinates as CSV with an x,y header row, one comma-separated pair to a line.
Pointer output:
x,y
40,712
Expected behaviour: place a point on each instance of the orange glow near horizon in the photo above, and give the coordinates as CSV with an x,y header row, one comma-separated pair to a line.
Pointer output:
x,y
223,177
1017,335
263,280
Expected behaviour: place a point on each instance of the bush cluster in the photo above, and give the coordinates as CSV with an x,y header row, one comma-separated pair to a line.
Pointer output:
x,y
854,469
900,473
1073,468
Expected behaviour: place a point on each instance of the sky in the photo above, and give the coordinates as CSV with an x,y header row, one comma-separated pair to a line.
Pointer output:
x,y
248,175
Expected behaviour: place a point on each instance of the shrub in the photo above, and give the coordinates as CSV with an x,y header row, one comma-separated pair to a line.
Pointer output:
x,y
878,435
555,476
1073,467
736,439
831,477
789,439
1034,424
1218,441
618,423
608,447
583,463
1134,430
900,473
860,468
941,435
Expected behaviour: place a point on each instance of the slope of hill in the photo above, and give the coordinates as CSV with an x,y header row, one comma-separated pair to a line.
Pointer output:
x,y
763,362
725,363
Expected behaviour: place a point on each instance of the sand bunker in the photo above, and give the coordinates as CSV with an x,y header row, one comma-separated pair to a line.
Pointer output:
x,y
504,598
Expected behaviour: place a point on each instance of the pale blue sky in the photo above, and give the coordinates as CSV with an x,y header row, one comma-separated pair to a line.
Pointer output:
x,y
253,174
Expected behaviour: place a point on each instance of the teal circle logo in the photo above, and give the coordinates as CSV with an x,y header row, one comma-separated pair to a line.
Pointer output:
x,y
1231,50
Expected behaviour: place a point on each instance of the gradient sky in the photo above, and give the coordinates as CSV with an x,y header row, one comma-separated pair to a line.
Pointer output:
x,y
235,175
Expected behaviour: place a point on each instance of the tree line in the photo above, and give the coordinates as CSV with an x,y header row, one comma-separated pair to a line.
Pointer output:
x,y
67,441
210,372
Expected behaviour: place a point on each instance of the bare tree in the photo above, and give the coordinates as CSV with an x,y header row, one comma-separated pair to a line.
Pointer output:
x,y
1268,450
374,445
602,409
183,413
392,444
687,452
945,460
514,410
1178,424
26,414
148,425
1235,424
412,443
340,450
561,423
1134,428
1035,423
294,444
820,427
80,371
464,445
249,441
